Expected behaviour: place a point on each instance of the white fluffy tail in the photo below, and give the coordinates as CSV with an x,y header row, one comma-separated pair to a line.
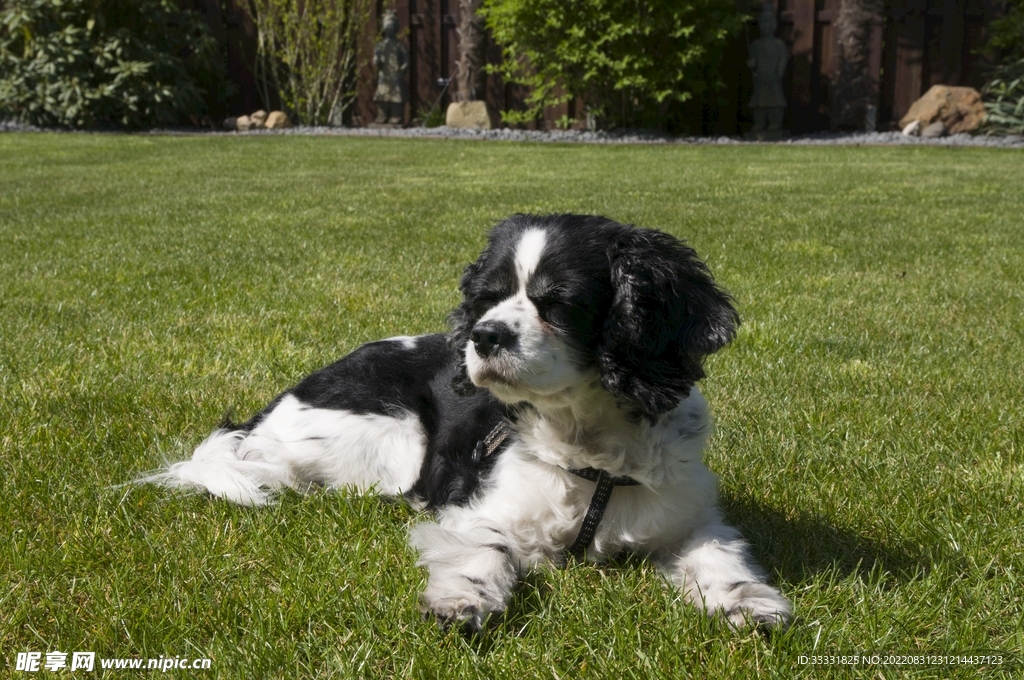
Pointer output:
x,y
220,468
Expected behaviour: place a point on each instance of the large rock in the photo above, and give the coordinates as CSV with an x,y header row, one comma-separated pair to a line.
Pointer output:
x,y
277,120
958,108
471,115
243,124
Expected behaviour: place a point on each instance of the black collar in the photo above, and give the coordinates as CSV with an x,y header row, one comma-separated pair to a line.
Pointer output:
x,y
598,502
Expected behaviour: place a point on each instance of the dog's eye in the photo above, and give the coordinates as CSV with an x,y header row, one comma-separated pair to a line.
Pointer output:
x,y
553,310
481,303
489,297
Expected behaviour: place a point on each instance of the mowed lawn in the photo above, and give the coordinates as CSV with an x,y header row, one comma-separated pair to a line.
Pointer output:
x,y
870,414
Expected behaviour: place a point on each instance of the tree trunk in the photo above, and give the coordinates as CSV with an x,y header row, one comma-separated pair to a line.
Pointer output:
x,y
471,79
854,88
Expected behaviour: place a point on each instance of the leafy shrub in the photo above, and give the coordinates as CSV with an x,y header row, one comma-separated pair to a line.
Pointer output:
x,y
105,63
1004,100
632,61
307,53
1003,94
1006,41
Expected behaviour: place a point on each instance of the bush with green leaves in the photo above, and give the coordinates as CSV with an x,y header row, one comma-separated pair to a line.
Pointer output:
x,y
308,55
1003,94
1004,100
634,62
106,63
1006,41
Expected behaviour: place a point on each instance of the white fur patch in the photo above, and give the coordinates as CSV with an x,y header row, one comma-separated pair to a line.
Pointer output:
x,y
528,253
407,341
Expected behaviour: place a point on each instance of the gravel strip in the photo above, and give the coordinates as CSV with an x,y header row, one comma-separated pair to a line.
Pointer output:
x,y
601,137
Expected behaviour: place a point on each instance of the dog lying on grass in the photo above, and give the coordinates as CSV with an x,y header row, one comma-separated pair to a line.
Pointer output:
x,y
558,418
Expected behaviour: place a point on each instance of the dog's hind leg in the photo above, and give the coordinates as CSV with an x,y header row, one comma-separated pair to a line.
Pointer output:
x,y
292,444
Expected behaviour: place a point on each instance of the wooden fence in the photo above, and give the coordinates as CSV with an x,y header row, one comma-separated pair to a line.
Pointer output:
x,y
914,45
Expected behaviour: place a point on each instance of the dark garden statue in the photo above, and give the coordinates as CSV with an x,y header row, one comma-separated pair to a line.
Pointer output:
x,y
391,59
768,62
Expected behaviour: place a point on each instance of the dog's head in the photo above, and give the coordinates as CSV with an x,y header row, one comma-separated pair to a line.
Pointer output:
x,y
559,301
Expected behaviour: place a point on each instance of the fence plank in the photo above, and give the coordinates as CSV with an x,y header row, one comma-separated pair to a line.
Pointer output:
x,y
910,34
875,62
802,100
945,59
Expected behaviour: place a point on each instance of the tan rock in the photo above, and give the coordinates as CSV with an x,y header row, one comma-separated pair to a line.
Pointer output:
x,y
278,120
243,124
958,108
257,119
471,115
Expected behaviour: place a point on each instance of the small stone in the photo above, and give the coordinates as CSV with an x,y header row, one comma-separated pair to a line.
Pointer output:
x,y
243,124
936,129
257,120
475,115
912,129
230,123
277,120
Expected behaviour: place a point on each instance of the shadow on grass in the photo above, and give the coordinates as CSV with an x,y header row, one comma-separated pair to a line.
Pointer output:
x,y
529,599
800,546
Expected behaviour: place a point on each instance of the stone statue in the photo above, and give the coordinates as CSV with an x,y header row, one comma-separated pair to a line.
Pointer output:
x,y
391,59
768,62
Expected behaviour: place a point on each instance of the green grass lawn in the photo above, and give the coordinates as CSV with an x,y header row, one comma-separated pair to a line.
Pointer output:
x,y
870,422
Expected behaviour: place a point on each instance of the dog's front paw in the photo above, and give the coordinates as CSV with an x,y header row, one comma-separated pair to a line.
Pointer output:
x,y
462,602
757,604
459,609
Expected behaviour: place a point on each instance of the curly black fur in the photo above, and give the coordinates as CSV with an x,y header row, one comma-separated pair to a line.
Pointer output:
x,y
667,315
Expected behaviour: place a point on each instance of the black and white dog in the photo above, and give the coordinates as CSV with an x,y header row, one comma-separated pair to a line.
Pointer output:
x,y
570,368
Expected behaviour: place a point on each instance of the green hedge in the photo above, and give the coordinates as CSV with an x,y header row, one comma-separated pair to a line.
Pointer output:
x,y
106,64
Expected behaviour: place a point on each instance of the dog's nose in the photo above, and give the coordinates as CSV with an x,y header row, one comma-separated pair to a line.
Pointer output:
x,y
489,336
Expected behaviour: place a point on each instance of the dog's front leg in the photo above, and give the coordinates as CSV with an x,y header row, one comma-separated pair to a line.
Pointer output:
x,y
716,572
471,570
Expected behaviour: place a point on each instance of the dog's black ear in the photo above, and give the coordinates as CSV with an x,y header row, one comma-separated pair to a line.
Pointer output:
x,y
461,322
666,315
